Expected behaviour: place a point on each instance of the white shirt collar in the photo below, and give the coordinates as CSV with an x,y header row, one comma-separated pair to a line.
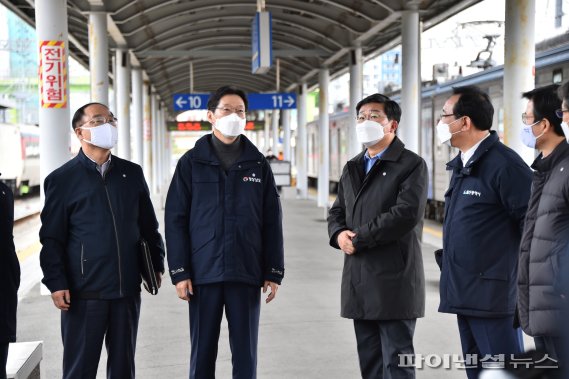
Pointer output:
x,y
465,157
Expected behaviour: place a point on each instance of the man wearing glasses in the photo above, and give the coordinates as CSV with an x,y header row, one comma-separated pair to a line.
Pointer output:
x,y
224,237
376,221
485,206
97,208
541,304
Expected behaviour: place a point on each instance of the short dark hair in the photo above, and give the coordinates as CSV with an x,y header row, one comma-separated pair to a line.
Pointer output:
x,y
79,113
213,101
392,109
563,93
545,103
474,103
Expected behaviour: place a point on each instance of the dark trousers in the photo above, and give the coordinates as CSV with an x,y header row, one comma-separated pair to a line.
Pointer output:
x,y
3,359
87,323
488,336
242,305
379,345
556,348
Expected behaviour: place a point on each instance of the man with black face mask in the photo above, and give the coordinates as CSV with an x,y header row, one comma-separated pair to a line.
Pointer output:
x,y
97,208
224,237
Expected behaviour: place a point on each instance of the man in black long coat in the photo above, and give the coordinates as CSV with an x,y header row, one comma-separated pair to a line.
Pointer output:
x,y
9,276
376,221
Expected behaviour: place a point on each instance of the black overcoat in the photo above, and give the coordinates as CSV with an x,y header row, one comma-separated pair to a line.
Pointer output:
x,y
384,279
9,268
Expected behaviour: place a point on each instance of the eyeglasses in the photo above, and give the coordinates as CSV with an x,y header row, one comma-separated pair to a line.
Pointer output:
x,y
373,116
525,118
227,111
443,115
559,112
100,120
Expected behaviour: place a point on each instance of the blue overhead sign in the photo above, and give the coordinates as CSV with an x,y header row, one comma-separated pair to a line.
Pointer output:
x,y
284,100
190,101
257,101
261,43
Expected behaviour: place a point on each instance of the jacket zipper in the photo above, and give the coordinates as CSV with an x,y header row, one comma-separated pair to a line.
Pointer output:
x,y
82,259
116,233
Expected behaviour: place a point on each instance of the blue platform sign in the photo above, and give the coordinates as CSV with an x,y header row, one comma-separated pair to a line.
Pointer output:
x,y
284,100
190,101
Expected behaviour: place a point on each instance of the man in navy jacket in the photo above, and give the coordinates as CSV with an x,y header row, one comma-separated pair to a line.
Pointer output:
x,y
224,237
485,207
97,208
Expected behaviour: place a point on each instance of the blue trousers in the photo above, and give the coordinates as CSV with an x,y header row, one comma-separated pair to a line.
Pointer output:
x,y
242,304
488,336
87,323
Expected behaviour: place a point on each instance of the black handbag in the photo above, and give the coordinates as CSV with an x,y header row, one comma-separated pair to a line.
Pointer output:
x,y
147,273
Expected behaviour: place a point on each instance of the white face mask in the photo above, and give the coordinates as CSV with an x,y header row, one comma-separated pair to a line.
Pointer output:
x,y
565,128
231,125
443,132
369,132
526,134
104,136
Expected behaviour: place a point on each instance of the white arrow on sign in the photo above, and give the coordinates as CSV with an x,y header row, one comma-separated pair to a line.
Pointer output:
x,y
180,102
289,101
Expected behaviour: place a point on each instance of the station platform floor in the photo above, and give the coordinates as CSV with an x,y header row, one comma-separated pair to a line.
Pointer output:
x,y
301,332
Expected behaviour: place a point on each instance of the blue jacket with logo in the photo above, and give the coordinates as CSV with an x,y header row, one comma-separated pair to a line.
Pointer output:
x,y
224,226
91,226
485,207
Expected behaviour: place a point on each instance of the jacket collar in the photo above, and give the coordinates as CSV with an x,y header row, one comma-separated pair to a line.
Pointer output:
x,y
356,164
546,164
87,162
488,143
392,152
203,150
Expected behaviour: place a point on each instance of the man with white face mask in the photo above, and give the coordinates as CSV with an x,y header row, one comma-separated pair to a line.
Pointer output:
x,y
376,222
542,306
97,208
224,237
484,210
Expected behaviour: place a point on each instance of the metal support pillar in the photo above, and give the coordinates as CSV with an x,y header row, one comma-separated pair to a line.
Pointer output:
x,y
302,145
275,130
519,64
286,135
51,25
411,74
122,88
137,115
324,151
147,133
356,93
154,154
160,150
165,150
99,57
267,133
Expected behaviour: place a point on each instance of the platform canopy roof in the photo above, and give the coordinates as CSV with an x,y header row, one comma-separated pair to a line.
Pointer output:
x,y
164,36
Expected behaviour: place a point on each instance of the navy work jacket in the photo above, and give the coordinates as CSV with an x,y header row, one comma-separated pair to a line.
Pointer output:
x,y
224,226
485,207
91,226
